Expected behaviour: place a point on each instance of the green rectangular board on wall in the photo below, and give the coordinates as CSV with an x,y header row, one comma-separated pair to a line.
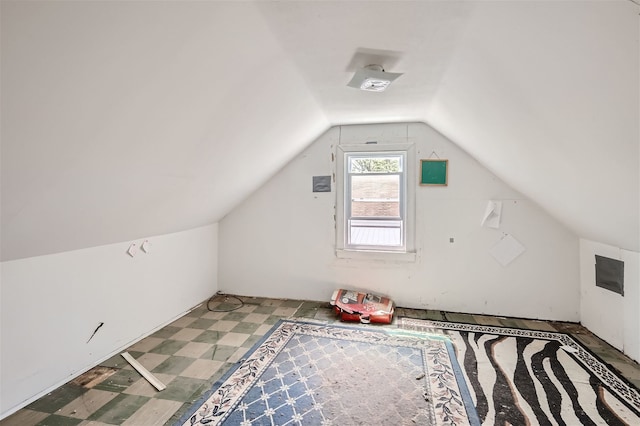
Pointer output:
x,y
434,172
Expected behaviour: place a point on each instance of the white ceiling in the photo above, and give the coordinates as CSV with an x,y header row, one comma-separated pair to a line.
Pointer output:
x,y
129,119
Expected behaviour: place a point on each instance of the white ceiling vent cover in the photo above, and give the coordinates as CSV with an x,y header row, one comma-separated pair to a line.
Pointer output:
x,y
372,78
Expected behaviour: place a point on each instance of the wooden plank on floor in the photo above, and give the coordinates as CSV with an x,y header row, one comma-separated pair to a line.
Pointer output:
x,y
143,371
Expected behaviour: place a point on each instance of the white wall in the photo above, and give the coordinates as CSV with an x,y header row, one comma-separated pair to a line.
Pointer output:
x,y
52,304
114,107
612,317
281,241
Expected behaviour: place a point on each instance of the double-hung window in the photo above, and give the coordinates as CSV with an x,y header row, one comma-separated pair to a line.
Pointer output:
x,y
375,188
374,206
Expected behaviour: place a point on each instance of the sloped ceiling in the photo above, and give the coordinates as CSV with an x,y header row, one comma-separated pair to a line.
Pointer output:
x,y
128,119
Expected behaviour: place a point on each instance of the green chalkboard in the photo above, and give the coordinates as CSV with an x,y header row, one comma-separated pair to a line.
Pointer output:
x,y
434,172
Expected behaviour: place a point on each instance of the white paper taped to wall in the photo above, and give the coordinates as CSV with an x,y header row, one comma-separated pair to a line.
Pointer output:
x,y
492,214
506,250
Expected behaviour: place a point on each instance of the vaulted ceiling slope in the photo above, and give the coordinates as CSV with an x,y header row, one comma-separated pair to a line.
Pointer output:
x,y
130,119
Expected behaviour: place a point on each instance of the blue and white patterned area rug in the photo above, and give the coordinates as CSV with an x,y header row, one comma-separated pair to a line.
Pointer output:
x,y
521,377
316,374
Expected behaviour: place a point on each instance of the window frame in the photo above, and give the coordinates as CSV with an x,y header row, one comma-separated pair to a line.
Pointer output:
x,y
343,248
348,199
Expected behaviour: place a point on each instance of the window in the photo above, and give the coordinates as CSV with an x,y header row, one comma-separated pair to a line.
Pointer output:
x,y
375,201
374,208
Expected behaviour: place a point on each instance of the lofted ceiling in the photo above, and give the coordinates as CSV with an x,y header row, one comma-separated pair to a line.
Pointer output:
x,y
129,119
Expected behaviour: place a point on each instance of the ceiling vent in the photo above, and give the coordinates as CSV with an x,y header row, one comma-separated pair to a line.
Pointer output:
x,y
372,78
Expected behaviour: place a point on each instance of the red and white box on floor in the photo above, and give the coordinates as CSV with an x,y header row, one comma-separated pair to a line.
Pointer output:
x,y
364,307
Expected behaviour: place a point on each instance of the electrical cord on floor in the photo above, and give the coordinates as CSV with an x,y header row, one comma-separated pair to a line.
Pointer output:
x,y
226,298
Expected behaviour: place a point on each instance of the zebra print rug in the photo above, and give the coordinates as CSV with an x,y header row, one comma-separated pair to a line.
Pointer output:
x,y
523,377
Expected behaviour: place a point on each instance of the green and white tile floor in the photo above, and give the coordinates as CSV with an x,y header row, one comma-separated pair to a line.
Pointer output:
x,y
192,353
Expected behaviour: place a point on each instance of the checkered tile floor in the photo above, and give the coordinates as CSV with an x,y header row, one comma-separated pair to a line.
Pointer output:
x,y
192,353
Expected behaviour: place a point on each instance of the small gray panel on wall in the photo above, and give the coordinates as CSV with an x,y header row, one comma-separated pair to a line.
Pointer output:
x,y
322,184
610,274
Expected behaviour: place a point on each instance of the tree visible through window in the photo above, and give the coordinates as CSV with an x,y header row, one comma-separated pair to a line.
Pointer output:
x,y
375,200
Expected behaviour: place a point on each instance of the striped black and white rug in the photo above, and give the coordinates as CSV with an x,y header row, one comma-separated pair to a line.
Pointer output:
x,y
525,377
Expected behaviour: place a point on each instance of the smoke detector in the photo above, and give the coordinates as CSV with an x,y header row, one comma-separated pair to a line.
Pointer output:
x,y
372,78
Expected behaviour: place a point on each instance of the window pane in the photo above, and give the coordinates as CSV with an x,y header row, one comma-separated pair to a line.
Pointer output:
x,y
375,164
375,232
375,196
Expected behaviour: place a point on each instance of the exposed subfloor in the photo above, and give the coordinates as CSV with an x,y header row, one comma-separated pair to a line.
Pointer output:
x,y
192,353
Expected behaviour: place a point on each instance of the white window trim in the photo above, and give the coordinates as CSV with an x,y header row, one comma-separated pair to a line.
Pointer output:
x,y
409,255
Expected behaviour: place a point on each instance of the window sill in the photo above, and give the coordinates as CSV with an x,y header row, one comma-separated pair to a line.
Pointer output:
x,y
395,256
